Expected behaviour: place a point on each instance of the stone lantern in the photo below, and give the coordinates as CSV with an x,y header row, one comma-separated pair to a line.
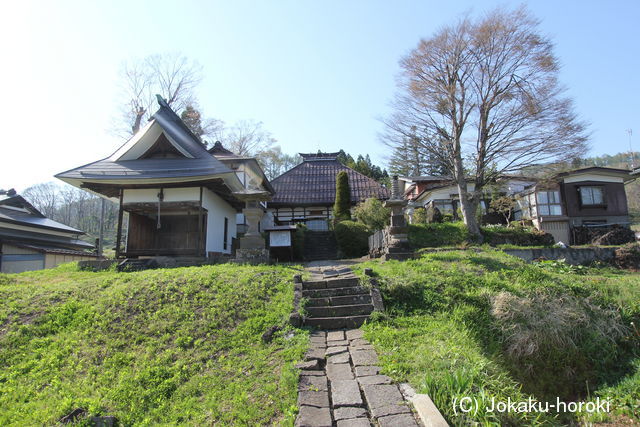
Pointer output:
x,y
397,232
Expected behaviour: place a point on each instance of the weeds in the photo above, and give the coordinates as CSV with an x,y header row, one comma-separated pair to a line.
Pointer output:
x,y
169,346
485,324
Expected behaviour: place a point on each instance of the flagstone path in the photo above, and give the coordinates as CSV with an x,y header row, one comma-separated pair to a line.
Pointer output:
x,y
341,385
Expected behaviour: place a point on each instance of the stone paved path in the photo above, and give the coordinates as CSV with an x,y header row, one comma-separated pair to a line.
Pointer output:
x,y
341,385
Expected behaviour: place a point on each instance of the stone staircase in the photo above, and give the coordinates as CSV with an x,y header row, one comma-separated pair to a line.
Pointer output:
x,y
336,300
320,245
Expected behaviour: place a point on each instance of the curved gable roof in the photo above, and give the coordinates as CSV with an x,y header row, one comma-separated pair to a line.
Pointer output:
x,y
128,161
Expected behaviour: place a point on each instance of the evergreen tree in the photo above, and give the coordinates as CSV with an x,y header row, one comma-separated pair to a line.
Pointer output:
x,y
193,119
342,205
365,166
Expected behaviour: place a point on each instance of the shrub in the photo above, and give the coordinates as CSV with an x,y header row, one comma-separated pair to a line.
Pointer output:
x,y
434,235
298,241
342,205
503,206
520,236
373,214
628,256
447,217
352,238
419,216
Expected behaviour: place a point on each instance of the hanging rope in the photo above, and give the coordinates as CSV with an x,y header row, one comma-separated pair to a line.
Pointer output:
x,y
160,199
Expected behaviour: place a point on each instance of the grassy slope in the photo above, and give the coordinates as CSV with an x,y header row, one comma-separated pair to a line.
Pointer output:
x,y
179,346
439,334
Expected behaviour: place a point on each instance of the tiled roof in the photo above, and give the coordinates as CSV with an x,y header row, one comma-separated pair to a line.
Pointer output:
x,y
313,182
53,250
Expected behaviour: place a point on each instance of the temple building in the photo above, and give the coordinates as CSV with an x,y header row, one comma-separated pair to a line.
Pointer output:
x,y
306,193
179,198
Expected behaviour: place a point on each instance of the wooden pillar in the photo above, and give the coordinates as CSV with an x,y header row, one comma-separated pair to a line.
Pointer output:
x,y
119,232
201,238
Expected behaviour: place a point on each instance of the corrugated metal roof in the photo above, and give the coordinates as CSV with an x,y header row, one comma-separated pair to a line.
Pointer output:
x,y
202,163
31,220
147,168
314,183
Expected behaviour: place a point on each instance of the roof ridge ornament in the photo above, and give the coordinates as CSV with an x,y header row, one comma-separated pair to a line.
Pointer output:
x,y
310,157
162,102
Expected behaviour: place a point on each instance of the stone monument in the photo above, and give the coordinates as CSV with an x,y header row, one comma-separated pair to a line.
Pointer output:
x,y
252,245
397,238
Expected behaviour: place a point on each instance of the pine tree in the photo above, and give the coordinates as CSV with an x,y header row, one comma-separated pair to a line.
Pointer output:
x,y
342,205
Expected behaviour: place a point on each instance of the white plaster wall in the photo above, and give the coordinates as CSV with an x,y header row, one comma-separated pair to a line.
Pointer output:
x,y
510,187
516,186
147,195
441,193
217,210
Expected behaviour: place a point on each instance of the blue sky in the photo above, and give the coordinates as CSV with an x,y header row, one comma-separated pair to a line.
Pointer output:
x,y
318,74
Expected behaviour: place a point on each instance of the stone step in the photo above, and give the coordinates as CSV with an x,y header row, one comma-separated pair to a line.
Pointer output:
x,y
336,322
339,310
340,300
320,245
334,292
331,283
343,282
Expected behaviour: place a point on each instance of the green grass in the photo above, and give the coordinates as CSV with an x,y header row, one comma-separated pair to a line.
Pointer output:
x,y
440,333
176,346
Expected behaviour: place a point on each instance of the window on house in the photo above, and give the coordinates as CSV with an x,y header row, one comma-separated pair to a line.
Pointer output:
x,y
445,206
590,196
549,203
522,209
317,224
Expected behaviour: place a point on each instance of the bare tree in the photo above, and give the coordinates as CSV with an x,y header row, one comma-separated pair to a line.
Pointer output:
x,y
274,162
171,75
45,197
484,99
246,138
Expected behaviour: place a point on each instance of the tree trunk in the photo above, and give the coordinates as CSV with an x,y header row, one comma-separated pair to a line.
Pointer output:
x,y
138,120
469,207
